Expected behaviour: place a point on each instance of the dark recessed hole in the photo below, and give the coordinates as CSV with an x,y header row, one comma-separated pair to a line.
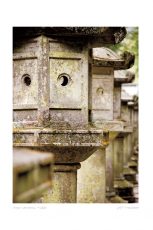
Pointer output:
x,y
27,80
64,80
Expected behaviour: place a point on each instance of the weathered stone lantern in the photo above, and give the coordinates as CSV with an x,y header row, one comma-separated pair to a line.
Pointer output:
x,y
114,156
93,187
52,76
132,141
133,107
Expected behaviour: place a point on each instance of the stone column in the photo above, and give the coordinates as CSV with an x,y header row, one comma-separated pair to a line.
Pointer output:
x,y
136,125
129,174
123,187
129,144
133,163
64,184
109,171
118,158
110,190
92,179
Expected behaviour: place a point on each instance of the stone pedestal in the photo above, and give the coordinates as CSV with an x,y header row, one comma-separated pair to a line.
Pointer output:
x,y
111,196
123,187
109,171
92,179
69,147
133,143
64,184
129,173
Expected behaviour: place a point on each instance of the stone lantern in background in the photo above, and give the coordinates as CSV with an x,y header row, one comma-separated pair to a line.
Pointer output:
x,y
130,102
105,114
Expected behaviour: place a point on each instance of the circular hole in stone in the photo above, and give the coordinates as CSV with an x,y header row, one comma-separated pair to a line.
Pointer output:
x,y
63,79
27,80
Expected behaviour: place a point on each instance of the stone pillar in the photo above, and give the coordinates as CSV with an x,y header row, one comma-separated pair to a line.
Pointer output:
x,y
109,171
118,158
129,174
123,187
129,144
133,163
64,184
126,148
92,179
110,190
136,125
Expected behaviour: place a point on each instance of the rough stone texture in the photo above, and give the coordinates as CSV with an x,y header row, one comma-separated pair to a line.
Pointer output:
x,y
109,171
32,174
136,127
91,179
125,114
68,146
129,146
56,100
126,151
123,187
117,103
123,76
51,98
104,57
56,71
97,36
118,158
120,76
106,103
64,185
105,106
102,94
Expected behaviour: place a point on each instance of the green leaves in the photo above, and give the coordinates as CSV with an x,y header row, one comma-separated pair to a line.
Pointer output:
x,y
130,43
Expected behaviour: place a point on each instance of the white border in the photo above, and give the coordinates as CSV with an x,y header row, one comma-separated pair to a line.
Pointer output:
x,y
77,13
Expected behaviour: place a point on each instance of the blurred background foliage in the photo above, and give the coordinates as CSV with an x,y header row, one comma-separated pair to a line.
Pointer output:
x,y
130,43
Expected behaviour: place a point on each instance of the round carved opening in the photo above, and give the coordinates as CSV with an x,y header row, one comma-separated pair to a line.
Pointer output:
x,y
63,79
27,80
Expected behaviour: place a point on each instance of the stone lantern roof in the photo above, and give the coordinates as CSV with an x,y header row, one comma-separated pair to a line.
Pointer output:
x,y
96,36
126,97
122,76
129,93
104,57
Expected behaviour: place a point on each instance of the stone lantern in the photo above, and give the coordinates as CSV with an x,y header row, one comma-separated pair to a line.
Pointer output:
x,y
51,104
132,102
133,107
93,187
115,150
